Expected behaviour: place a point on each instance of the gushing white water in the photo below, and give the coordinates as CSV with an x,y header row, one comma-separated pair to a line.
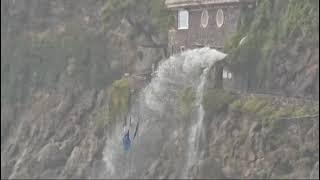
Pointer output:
x,y
156,109
196,129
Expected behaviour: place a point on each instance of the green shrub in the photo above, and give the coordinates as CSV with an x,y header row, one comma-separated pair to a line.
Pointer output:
x,y
266,110
272,115
217,100
282,112
273,23
100,117
153,14
187,98
119,98
236,105
254,104
117,105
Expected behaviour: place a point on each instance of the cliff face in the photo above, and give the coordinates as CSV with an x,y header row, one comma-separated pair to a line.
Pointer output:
x,y
263,136
63,105
280,52
56,66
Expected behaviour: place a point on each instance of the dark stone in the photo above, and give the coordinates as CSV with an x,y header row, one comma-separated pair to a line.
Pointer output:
x,y
218,70
209,168
6,170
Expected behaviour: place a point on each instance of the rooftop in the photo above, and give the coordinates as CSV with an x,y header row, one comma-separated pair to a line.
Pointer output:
x,y
184,3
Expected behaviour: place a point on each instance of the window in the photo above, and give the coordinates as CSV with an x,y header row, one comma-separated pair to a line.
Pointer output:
x,y
183,19
204,18
226,74
219,18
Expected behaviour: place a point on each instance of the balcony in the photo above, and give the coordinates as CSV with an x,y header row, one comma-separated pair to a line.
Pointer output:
x,y
185,3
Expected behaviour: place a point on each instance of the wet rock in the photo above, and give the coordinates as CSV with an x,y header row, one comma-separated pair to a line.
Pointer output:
x,y
210,169
315,171
50,156
72,163
100,97
251,156
6,169
22,174
78,163
97,169
50,174
256,126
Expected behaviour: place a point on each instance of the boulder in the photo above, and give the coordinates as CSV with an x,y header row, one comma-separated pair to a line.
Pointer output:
x,y
50,156
209,169
315,171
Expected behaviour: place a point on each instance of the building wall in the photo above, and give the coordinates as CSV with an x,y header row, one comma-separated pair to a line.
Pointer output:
x,y
212,35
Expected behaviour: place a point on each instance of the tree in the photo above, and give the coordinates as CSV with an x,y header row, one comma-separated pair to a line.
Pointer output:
x,y
147,17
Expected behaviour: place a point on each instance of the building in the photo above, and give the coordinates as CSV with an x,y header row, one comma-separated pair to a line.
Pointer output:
x,y
210,23
202,23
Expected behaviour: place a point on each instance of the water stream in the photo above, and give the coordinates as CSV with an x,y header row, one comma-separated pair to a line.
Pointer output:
x,y
155,151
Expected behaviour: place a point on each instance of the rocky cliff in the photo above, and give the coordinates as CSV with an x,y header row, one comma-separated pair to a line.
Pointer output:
x,y
64,101
279,51
56,66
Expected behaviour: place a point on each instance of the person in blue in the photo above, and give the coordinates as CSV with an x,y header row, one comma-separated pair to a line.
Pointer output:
x,y
126,141
126,138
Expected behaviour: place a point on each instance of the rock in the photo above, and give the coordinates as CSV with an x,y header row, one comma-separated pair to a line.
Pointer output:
x,y
64,105
72,163
100,97
97,169
50,156
315,171
283,81
50,174
7,118
209,169
251,156
235,133
84,104
78,163
71,66
228,172
247,173
13,150
6,169
22,174
256,126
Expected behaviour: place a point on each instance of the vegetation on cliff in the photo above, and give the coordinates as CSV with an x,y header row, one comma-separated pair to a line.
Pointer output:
x,y
270,111
217,100
43,59
187,98
146,17
117,104
119,98
273,25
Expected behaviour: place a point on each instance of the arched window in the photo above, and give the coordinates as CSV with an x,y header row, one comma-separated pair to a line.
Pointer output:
x,y
219,18
204,18
226,74
183,19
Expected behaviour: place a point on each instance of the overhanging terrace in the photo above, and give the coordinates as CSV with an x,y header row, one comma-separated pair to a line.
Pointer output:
x,y
186,3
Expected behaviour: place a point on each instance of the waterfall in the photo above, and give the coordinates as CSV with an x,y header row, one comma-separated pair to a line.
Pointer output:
x,y
197,128
157,109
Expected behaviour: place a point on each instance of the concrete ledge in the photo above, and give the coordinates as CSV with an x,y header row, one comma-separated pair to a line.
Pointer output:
x,y
184,3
